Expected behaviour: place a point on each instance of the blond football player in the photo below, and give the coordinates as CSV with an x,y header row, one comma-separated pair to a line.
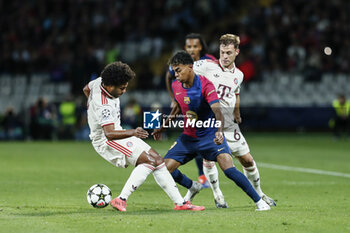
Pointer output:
x,y
227,79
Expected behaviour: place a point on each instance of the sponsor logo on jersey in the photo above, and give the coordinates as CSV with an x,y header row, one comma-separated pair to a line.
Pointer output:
x,y
216,75
223,91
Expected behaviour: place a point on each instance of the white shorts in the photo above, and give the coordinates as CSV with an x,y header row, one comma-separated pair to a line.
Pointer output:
x,y
237,143
122,152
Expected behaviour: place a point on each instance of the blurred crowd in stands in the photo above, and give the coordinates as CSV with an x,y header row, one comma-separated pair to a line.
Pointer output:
x,y
66,120
73,40
46,121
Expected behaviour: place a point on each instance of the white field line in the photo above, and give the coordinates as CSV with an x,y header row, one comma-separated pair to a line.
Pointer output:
x,y
305,170
294,169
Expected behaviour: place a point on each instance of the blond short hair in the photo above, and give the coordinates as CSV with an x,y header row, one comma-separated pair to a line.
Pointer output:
x,y
230,39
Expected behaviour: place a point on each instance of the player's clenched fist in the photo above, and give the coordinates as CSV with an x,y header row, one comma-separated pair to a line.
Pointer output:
x,y
219,138
140,133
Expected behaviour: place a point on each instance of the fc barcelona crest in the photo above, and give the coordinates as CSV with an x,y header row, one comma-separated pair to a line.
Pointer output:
x,y
187,100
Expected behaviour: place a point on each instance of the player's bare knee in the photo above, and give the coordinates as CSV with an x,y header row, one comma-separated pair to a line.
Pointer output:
x,y
158,160
170,165
246,160
152,161
225,161
147,159
247,163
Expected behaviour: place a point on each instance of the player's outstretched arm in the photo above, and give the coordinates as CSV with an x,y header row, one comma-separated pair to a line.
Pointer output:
x,y
219,117
236,111
112,134
86,91
157,133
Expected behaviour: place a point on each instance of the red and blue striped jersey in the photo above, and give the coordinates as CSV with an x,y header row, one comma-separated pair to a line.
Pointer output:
x,y
195,104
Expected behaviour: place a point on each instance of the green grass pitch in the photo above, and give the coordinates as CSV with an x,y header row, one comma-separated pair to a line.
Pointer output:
x,y
44,185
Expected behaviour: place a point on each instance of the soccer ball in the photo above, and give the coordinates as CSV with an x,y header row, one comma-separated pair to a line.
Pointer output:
x,y
99,195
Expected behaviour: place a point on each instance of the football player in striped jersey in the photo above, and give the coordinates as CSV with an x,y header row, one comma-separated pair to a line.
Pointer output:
x,y
196,46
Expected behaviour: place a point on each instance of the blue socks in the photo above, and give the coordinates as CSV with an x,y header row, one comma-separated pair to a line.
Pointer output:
x,y
199,162
242,182
182,179
231,173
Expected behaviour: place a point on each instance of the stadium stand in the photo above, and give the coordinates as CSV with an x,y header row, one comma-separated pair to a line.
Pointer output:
x,y
48,51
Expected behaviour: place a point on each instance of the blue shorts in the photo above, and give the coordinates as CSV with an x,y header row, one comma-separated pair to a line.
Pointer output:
x,y
186,148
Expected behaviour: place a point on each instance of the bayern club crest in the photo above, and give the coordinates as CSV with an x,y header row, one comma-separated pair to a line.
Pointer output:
x,y
235,81
129,144
187,100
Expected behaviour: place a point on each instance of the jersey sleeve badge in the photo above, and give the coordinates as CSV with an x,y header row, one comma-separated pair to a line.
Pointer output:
x,y
106,113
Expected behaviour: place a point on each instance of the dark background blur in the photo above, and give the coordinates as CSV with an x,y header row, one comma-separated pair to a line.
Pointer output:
x,y
294,54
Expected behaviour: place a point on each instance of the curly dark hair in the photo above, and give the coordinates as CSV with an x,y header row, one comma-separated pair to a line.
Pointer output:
x,y
117,73
201,40
181,58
